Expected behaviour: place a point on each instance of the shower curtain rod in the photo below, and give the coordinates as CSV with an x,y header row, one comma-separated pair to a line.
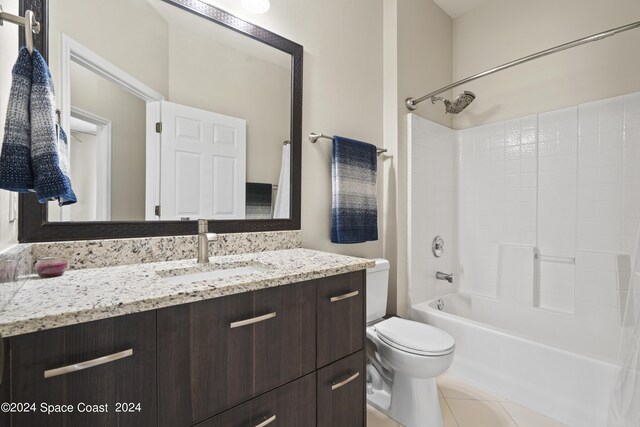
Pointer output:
x,y
412,103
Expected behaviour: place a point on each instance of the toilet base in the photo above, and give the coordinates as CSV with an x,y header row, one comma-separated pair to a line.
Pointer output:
x,y
413,402
380,399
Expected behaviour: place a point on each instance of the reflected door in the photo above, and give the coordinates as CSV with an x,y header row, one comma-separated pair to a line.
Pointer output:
x,y
203,164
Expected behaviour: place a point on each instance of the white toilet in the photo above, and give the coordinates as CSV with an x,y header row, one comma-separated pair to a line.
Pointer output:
x,y
408,356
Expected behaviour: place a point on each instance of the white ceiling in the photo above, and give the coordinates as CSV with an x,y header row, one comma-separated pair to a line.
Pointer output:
x,y
455,8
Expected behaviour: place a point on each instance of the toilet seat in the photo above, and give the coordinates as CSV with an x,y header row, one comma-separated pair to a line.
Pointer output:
x,y
414,337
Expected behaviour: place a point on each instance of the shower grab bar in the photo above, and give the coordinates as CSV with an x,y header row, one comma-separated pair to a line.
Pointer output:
x,y
558,259
313,137
412,103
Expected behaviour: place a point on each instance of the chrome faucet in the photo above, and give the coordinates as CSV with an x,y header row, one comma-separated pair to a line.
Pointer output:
x,y
444,276
204,237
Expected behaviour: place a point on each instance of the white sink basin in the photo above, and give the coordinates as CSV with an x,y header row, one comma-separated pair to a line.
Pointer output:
x,y
174,277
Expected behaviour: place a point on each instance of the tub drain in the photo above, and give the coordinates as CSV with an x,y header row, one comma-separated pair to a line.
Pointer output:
x,y
440,304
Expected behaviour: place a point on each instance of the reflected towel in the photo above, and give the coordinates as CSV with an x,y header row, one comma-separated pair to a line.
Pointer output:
x,y
15,160
354,203
281,208
49,147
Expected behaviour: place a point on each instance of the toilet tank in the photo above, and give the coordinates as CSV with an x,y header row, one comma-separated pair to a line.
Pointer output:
x,y
377,289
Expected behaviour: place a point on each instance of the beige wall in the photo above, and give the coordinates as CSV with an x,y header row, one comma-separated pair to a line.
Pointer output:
x,y
503,30
343,94
342,91
237,84
143,53
140,49
84,151
127,114
8,55
417,60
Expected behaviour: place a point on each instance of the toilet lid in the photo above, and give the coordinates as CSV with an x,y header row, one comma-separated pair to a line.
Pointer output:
x,y
415,337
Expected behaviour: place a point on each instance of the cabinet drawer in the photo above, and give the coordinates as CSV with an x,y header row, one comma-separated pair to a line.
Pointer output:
x,y
341,393
292,405
213,355
115,362
340,302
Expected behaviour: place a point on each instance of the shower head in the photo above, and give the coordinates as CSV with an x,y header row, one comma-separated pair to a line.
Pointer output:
x,y
460,103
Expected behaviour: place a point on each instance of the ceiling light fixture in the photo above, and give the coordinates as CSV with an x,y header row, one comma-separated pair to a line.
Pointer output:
x,y
256,6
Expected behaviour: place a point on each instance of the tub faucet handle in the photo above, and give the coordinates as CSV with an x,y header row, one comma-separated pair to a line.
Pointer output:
x,y
444,276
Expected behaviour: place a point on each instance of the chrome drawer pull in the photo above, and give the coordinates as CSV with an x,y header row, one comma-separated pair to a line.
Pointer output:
x,y
267,421
335,386
252,320
88,364
345,296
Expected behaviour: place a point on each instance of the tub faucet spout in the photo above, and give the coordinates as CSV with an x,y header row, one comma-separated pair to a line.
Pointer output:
x,y
444,276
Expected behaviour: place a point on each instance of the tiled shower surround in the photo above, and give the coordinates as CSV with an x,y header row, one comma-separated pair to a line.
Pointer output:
x,y
432,201
547,211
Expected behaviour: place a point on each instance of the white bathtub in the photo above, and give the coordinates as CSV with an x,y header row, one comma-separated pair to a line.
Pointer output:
x,y
564,385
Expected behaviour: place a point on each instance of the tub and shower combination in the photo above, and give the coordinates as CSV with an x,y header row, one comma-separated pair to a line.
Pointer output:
x,y
540,247
536,218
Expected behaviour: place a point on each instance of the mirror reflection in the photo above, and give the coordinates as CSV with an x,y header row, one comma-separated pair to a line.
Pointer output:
x,y
170,116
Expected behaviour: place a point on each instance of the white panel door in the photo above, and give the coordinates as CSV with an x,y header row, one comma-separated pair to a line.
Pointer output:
x,y
203,164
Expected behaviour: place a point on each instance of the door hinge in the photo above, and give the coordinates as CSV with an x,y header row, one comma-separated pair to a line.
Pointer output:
x,y
157,210
159,127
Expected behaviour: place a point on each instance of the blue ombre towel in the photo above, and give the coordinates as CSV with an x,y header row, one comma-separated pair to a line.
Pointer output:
x,y
354,204
35,153
49,146
15,159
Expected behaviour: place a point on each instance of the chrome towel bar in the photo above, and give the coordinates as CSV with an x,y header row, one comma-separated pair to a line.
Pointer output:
x,y
29,22
313,137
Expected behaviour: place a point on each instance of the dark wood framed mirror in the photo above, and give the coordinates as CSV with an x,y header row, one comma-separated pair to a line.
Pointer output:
x,y
34,218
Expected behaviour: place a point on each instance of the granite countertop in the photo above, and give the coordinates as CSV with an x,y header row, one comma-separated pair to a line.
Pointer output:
x,y
34,304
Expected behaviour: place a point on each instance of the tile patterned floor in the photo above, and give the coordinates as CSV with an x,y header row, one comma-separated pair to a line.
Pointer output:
x,y
466,406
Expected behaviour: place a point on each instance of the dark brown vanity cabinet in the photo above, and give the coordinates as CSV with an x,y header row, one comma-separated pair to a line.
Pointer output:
x,y
215,354
100,373
292,405
341,316
341,363
288,355
340,392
